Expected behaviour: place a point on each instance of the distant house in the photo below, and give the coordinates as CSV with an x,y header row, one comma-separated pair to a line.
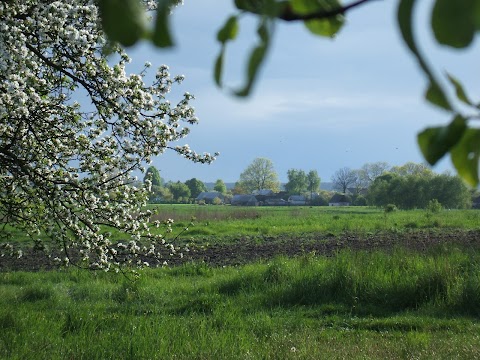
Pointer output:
x,y
339,200
274,201
209,196
297,200
244,200
268,197
264,192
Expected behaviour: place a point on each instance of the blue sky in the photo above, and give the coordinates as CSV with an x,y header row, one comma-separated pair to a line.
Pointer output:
x,y
318,104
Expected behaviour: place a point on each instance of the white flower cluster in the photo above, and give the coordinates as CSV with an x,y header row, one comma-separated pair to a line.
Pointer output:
x,y
65,167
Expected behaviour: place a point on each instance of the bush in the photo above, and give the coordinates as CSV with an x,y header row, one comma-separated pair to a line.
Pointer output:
x,y
434,206
360,200
217,201
390,208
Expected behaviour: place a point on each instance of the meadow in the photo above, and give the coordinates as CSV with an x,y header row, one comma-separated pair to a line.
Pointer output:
x,y
355,303
224,223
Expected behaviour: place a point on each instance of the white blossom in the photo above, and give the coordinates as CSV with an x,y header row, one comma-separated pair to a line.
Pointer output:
x,y
73,128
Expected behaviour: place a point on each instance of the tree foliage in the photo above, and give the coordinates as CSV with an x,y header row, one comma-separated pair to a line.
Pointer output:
x,y
260,175
370,171
313,182
411,191
153,175
66,167
179,190
220,186
453,24
195,186
297,182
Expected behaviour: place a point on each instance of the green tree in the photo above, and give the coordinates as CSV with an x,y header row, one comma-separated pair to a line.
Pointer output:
x,y
418,190
313,182
179,190
370,171
220,186
297,182
153,175
259,175
240,189
411,168
196,187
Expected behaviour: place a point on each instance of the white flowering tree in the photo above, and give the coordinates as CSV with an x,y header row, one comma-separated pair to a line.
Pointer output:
x,y
73,128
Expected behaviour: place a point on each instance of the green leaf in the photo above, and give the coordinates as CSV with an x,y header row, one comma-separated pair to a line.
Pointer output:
x,y
435,142
269,8
453,22
324,27
436,96
218,71
253,6
461,94
162,36
466,154
476,14
256,58
327,27
435,93
229,31
123,20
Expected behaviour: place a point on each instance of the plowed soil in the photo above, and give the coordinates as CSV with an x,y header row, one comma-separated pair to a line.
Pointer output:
x,y
247,250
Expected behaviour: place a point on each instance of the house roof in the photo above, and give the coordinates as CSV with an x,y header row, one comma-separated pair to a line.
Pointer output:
x,y
296,198
264,192
209,195
340,198
243,198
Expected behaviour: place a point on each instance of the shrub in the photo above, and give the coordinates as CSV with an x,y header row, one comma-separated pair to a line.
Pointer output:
x,y
434,206
217,201
390,208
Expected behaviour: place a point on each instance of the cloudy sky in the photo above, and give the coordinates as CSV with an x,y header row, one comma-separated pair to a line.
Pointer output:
x,y
318,104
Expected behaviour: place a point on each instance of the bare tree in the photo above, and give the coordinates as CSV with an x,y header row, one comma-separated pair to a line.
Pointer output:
x,y
343,178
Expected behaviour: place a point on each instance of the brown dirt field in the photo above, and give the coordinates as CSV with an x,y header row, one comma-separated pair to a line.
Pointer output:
x,y
246,250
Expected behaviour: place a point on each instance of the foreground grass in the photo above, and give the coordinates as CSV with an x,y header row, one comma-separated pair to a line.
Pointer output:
x,y
354,305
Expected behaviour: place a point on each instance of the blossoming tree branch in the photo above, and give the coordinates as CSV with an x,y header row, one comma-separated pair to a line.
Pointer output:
x,y
66,165
453,23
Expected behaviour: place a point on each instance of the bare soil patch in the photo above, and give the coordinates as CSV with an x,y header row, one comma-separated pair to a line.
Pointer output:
x,y
247,250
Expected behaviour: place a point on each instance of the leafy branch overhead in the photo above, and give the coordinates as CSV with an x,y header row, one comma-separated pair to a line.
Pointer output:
x,y
453,24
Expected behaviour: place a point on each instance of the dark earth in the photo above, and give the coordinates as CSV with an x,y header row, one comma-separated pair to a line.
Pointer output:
x,y
247,250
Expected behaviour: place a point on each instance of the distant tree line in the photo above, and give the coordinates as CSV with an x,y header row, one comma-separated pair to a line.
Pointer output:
x,y
409,186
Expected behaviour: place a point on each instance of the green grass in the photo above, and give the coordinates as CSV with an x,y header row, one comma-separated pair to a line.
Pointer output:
x,y
223,224
354,305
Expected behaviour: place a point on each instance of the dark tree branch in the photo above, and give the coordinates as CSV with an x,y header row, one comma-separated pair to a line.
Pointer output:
x,y
289,15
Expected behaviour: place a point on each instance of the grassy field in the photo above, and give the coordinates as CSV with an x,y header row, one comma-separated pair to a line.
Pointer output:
x,y
224,223
356,305
399,304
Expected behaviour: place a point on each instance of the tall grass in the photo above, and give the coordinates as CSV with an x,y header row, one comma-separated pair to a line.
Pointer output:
x,y
354,305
